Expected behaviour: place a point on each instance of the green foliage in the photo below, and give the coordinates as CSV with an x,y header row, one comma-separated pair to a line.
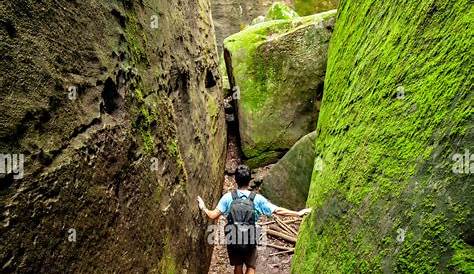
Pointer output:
x,y
387,157
135,38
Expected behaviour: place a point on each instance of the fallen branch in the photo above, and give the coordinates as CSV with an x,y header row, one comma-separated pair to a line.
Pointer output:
x,y
279,247
282,236
286,222
283,252
277,228
285,226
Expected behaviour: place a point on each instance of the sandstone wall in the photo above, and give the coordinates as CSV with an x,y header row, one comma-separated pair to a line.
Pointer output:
x,y
117,107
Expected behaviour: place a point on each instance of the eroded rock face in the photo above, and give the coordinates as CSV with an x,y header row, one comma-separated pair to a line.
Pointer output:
x,y
231,16
279,67
395,134
117,108
287,182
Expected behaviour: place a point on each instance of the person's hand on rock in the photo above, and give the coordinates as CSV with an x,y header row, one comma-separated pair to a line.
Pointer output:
x,y
303,212
201,203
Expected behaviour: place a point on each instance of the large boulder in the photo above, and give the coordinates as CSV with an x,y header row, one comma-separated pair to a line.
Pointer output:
x,y
308,7
278,69
116,107
287,182
395,133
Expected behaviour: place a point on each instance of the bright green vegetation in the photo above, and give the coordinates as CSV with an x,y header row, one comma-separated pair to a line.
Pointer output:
x,y
397,106
279,67
308,7
280,10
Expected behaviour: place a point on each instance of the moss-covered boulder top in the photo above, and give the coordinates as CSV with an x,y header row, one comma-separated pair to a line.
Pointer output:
x,y
279,11
279,68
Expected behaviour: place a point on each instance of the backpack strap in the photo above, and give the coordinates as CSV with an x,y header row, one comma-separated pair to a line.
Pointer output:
x,y
252,196
235,196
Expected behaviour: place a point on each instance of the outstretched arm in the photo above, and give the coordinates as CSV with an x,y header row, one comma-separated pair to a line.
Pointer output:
x,y
286,212
212,214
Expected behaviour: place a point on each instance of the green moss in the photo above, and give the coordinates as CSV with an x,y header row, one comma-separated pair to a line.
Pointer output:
x,y
148,143
213,113
145,127
167,263
388,159
138,93
174,151
173,148
463,259
243,46
135,38
308,7
280,10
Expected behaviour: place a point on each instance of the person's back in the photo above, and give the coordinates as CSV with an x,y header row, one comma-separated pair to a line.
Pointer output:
x,y
236,203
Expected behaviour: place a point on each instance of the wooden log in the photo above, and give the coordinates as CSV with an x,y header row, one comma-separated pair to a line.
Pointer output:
x,y
279,247
283,252
286,227
282,236
286,222
277,228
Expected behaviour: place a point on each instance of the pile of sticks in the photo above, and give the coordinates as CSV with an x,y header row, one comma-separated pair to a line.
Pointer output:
x,y
281,230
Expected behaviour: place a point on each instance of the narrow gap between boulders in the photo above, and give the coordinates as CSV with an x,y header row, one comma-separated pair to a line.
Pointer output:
x,y
276,253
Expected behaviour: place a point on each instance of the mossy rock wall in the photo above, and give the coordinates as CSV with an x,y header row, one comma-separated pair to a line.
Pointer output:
x,y
396,121
308,7
287,182
279,68
117,107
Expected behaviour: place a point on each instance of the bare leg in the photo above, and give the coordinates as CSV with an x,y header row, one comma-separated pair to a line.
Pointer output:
x,y
239,269
250,270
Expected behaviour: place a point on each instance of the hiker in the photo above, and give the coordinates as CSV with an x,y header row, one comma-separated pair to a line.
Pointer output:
x,y
243,207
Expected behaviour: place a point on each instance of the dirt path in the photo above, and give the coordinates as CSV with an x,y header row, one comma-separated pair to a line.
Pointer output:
x,y
265,263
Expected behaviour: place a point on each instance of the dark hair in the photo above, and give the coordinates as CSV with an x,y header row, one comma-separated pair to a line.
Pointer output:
x,y
242,176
